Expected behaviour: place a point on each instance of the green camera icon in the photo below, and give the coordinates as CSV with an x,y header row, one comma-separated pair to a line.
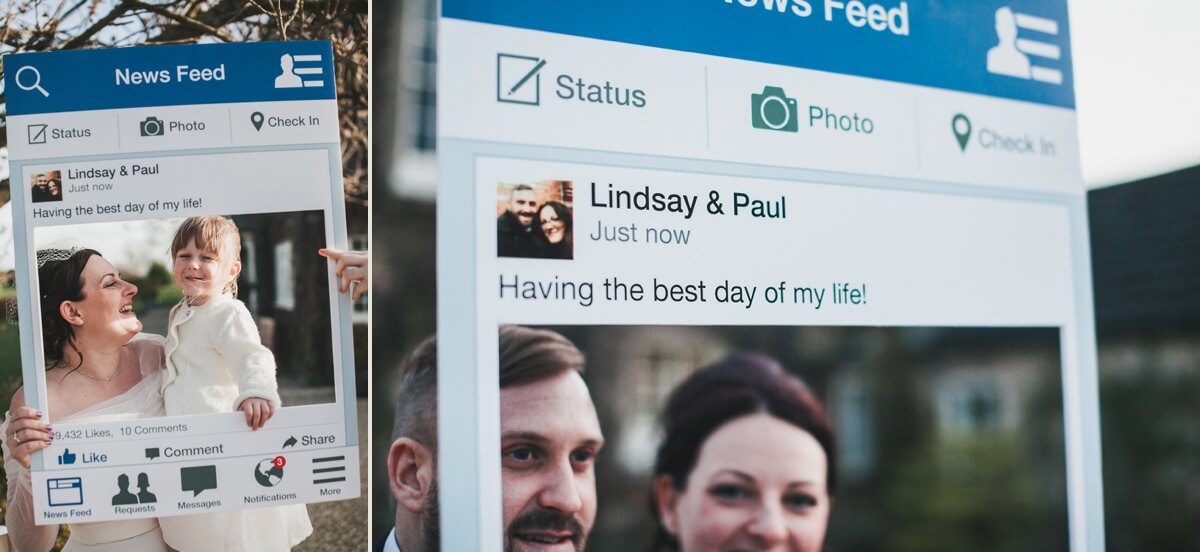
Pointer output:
x,y
773,110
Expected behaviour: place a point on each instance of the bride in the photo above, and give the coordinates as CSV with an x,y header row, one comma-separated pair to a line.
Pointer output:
x,y
98,368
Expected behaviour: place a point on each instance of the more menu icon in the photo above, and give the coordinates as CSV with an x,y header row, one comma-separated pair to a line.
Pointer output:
x,y
329,469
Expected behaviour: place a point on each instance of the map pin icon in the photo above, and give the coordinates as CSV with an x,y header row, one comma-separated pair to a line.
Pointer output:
x,y
257,119
962,130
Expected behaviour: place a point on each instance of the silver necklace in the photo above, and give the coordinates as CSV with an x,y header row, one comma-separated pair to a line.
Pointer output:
x,y
109,378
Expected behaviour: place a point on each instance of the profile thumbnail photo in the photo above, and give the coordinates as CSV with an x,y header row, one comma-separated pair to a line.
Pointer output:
x,y
46,186
533,220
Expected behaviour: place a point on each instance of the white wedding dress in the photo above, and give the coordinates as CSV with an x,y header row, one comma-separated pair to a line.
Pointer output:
x,y
256,529
143,400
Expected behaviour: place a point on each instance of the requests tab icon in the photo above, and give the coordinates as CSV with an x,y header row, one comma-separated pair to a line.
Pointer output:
x,y
304,76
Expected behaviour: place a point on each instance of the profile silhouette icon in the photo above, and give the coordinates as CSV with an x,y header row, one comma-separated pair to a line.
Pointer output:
x,y
1004,58
287,77
123,496
144,495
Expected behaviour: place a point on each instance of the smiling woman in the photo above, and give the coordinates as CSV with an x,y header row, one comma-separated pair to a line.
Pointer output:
x,y
747,461
555,240
95,371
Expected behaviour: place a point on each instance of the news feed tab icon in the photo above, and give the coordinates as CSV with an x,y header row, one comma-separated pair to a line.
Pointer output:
x,y
65,491
307,75
1025,58
773,110
518,79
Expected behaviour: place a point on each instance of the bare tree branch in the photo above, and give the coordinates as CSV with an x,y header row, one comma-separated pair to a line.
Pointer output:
x,y
99,25
185,20
35,25
219,14
71,11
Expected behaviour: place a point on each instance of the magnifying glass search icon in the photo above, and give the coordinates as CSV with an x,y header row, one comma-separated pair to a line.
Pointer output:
x,y
37,80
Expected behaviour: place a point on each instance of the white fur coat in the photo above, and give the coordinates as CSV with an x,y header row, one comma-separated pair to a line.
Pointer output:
x,y
215,359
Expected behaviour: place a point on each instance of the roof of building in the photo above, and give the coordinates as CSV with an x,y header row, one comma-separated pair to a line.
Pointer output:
x,y
1145,238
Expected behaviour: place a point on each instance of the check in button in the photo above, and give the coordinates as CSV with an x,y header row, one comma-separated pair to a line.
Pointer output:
x,y
518,79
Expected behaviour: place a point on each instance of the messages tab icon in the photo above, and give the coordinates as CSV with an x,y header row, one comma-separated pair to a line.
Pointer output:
x,y
197,479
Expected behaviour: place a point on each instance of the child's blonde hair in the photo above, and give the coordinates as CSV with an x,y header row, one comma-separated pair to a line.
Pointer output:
x,y
217,235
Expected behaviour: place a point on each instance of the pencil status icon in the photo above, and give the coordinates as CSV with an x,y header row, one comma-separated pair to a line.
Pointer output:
x,y
519,79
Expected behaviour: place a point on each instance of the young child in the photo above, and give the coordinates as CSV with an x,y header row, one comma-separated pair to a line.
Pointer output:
x,y
217,363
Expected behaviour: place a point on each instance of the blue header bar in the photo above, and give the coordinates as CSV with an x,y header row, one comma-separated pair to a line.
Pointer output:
x,y
152,76
1016,49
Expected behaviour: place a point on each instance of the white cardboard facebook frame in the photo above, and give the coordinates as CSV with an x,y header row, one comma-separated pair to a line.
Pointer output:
x,y
1010,227
235,168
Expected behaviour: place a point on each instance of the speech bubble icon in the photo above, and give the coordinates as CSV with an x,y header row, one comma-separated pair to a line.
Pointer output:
x,y
198,478
152,453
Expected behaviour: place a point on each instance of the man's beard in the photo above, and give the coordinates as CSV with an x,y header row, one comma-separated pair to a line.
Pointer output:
x,y
542,519
431,526
523,217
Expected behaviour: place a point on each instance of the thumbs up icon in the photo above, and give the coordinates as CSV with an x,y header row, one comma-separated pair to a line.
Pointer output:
x,y
67,457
